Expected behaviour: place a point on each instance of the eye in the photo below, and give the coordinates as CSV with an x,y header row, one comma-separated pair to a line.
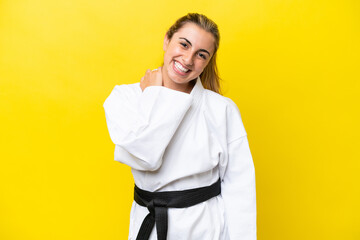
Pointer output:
x,y
202,56
183,44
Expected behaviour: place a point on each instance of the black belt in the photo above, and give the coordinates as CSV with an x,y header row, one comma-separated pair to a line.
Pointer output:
x,y
159,202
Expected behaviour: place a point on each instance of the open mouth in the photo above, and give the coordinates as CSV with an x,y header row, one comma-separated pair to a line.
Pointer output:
x,y
180,69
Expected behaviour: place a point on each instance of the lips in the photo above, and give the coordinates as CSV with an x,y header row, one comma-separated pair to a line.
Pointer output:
x,y
180,69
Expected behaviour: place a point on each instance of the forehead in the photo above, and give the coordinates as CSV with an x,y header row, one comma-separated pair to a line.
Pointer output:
x,y
198,37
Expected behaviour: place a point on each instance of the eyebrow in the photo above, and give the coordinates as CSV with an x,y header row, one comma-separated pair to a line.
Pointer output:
x,y
202,50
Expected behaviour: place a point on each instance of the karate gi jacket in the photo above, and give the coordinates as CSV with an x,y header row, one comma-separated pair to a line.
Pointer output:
x,y
175,141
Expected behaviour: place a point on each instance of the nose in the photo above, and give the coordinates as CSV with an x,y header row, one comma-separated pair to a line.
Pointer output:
x,y
188,59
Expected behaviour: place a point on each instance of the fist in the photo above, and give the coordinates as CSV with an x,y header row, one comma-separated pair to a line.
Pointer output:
x,y
151,78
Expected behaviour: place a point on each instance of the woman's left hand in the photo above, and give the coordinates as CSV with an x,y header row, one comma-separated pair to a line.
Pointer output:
x,y
151,78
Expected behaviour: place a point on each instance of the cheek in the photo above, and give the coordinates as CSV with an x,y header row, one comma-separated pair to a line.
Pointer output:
x,y
170,54
174,50
201,66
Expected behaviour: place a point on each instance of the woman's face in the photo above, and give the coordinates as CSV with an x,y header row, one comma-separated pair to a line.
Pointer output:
x,y
186,54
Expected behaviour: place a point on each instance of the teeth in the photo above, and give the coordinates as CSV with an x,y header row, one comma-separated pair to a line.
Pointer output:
x,y
180,67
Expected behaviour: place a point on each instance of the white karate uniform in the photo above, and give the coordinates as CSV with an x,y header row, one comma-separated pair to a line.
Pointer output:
x,y
175,141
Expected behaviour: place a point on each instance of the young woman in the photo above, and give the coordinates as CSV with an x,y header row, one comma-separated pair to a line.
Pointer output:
x,y
185,143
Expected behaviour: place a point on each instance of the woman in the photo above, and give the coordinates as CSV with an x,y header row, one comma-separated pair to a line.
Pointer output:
x,y
185,143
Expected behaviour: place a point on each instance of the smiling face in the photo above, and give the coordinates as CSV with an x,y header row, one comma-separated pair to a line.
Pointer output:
x,y
186,55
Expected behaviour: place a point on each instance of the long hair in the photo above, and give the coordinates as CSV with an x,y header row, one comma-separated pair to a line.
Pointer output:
x,y
210,76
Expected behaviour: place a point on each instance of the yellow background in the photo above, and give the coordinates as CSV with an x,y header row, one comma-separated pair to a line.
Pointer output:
x,y
291,66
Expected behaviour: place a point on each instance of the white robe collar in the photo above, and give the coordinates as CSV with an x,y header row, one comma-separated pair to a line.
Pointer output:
x,y
196,95
197,91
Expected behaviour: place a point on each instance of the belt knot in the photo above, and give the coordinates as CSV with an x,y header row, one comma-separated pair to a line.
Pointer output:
x,y
155,204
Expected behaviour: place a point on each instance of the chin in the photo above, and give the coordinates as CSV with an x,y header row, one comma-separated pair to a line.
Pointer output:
x,y
180,80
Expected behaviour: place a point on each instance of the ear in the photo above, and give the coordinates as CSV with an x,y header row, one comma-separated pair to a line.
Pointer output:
x,y
166,42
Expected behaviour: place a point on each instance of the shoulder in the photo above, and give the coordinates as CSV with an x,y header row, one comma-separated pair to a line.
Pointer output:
x,y
219,102
225,111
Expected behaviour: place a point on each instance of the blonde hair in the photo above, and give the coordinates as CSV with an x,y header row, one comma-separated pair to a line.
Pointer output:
x,y
210,76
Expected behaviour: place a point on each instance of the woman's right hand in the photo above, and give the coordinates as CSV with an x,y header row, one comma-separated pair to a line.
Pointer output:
x,y
151,78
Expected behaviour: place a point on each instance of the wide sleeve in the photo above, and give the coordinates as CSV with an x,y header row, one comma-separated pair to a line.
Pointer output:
x,y
238,191
141,125
238,180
